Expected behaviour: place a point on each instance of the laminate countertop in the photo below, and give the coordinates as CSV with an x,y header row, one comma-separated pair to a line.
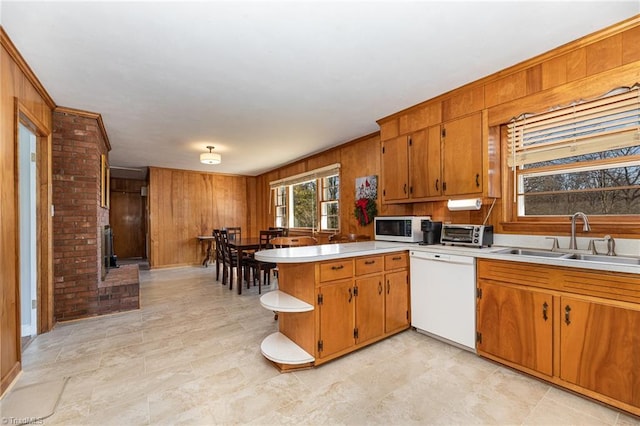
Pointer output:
x,y
324,252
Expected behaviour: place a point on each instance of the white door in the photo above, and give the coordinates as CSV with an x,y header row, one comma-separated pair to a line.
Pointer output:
x,y
28,232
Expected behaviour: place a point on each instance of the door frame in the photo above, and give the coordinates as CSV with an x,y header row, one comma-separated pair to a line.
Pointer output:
x,y
44,211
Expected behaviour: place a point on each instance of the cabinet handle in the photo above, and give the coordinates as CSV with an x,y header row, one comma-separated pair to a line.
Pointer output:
x,y
350,294
405,188
388,286
437,184
545,307
444,186
567,314
396,258
337,268
478,180
369,262
379,287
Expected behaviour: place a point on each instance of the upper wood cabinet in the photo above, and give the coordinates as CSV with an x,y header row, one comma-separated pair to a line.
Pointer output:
x,y
455,158
462,162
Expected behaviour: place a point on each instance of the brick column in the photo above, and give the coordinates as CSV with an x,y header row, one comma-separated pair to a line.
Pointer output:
x,y
78,223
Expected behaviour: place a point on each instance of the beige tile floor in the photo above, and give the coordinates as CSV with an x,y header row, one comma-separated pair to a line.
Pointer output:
x,y
191,355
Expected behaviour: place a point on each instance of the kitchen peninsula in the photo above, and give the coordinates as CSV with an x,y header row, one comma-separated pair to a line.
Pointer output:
x,y
334,299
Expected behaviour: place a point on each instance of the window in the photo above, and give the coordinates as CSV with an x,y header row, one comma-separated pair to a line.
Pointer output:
x,y
309,200
281,207
584,157
329,202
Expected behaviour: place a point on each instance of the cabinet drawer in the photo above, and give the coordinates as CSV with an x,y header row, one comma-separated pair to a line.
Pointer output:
x,y
369,265
396,261
337,270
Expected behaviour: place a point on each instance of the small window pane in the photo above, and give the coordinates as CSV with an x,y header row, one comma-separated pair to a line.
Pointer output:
x,y
330,219
304,204
608,202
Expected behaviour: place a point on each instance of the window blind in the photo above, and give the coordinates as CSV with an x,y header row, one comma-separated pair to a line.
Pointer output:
x,y
586,127
321,172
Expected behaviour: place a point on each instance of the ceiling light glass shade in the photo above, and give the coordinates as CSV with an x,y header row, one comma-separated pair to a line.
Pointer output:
x,y
210,158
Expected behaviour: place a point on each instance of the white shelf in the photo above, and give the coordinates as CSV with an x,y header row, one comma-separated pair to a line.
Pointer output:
x,y
279,301
279,348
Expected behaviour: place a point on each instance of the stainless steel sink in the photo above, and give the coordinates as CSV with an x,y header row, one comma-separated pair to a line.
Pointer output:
x,y
535,253
618,260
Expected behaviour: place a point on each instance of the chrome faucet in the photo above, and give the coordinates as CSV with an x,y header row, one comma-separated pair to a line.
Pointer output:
x,y
586,228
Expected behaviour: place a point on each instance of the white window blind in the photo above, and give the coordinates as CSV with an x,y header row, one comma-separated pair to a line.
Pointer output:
x,y
609,122
321,172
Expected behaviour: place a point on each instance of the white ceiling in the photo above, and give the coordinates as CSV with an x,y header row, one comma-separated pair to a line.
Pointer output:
x,y
268,82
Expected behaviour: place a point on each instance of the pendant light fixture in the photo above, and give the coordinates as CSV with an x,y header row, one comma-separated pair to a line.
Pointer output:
x,y
210,157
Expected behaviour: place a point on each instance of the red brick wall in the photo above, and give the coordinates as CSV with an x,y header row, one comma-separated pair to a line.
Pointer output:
x,y
79,219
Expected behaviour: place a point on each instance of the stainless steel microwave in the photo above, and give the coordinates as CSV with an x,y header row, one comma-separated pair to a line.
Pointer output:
x,y
405,229
467,235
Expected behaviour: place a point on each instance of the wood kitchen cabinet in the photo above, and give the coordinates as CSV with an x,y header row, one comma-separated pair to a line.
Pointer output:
x,y
600,348
327,309
396,293
336,311
411,166
371,304
576,328
454,158
462,142
516,325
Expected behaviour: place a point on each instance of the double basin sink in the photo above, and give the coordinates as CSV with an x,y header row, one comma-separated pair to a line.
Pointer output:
x,y
618,260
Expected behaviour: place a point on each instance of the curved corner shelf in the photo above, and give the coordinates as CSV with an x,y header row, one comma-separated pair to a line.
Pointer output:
x,y
279,301
280,349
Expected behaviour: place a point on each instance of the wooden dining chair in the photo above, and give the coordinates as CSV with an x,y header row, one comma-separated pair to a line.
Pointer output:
x,y
234,233
219,253
348,238
282,242
262,270
231,260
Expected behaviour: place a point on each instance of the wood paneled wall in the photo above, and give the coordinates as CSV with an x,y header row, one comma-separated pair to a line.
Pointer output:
x,y
184,204
358,158
21,94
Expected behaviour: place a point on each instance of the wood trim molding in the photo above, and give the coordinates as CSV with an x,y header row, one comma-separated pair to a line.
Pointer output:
x,y
87,114
11,49
617,28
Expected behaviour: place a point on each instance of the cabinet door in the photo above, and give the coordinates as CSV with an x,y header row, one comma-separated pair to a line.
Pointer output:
x,y
600,348
418,164
396,301
516,325
395,169
462,156
434,175
370,308
336,317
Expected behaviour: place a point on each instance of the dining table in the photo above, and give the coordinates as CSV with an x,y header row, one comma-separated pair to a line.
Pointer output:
x,y
243,245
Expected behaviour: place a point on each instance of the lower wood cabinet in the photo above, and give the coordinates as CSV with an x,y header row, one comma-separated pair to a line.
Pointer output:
x,y
516,325
396,301
371,305
576,328
600,348
336,313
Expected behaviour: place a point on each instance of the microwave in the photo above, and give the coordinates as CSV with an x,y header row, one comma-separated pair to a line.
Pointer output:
x,y
467,235
404,229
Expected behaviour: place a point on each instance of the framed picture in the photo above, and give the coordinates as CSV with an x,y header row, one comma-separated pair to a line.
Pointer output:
x,y
104,181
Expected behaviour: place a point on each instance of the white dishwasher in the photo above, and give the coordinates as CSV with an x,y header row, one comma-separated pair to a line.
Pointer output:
x,y
443,297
